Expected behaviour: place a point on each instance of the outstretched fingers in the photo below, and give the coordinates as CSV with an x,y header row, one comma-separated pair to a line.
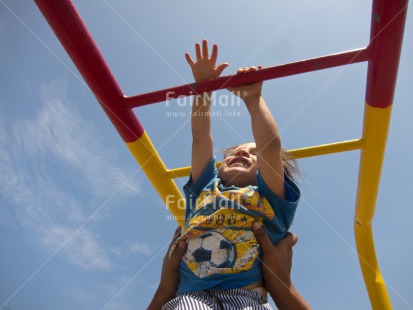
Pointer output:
x,y
189,60
221,68
214,54
198,51
204,67
205,49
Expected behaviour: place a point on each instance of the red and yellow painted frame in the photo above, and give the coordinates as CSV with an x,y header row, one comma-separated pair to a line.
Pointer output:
x,y
382,54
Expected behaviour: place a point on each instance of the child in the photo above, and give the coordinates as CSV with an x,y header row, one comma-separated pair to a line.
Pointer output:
x,y
252,184
276,270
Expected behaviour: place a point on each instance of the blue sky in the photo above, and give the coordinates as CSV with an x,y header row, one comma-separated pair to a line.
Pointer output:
x,y
81,226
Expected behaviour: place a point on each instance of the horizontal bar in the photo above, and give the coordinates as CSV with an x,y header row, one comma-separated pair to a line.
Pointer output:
x,y
298,67
324,149
311,151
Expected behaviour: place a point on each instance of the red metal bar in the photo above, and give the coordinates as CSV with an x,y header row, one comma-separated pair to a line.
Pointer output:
x,y
68,26
386,36
293,68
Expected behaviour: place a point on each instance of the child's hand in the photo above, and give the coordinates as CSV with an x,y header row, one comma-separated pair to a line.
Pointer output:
x,y
247,92
204,68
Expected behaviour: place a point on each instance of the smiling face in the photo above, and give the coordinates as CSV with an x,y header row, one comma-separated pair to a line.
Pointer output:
x,y
240,166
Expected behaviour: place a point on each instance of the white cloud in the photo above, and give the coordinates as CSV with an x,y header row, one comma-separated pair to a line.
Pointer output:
x,y
60,131
133,247
34,155
82,248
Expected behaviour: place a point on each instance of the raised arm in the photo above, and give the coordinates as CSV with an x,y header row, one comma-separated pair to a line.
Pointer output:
x,y
266,135
204,68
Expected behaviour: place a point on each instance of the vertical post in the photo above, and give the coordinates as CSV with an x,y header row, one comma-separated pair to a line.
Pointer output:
x,y
386,36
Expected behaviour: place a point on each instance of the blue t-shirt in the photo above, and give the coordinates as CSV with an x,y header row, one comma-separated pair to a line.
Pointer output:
x,y
221,250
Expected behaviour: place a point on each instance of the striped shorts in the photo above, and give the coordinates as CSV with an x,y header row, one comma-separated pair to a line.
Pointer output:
x,y
220,300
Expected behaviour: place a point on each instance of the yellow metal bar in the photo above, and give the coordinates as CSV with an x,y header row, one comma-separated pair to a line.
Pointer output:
x,y
154,168
179,172
375,131
183,171
322,149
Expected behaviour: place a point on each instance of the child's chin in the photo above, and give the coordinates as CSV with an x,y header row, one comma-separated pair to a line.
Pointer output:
x,y
235,172
235,175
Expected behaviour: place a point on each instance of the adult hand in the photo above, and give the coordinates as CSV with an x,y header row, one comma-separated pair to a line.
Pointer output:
x,y
276,259
276,265
169,283
204,68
